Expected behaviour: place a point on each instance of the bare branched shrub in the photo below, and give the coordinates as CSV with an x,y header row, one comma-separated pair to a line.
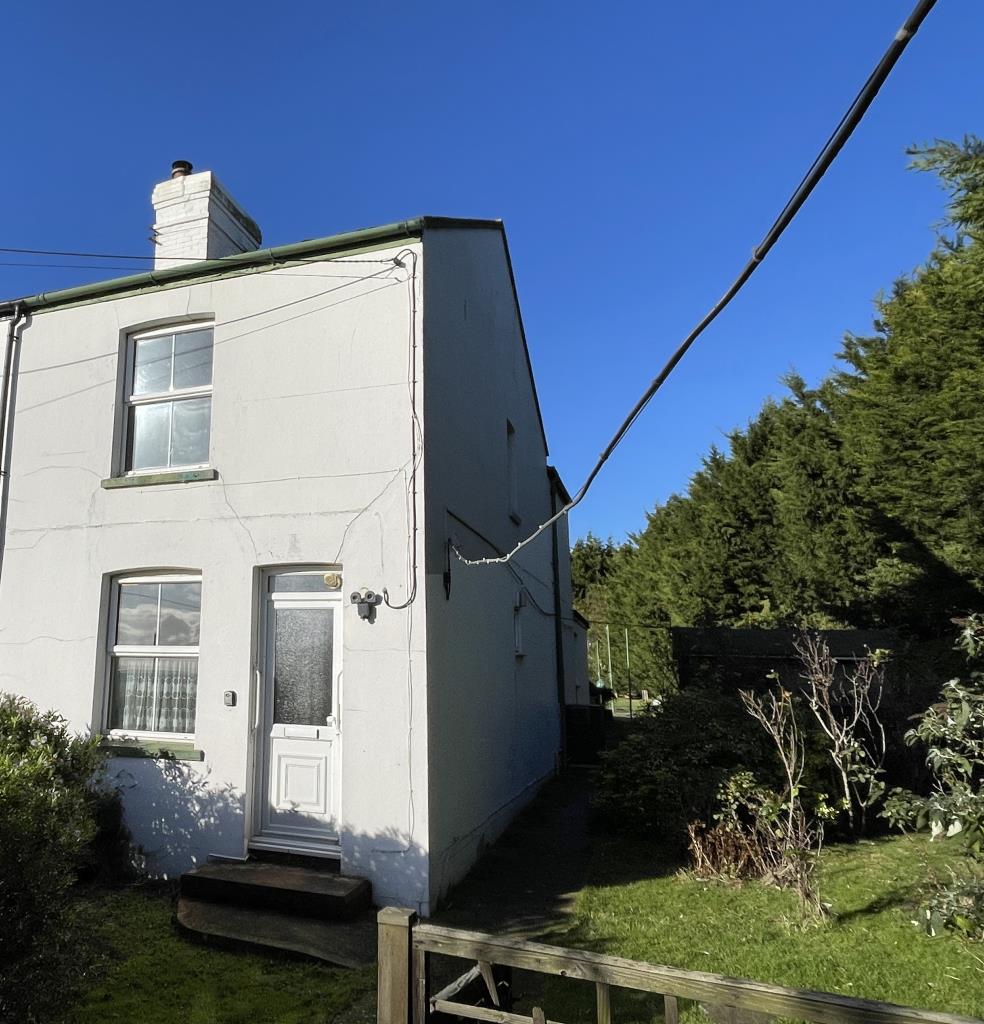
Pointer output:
x,y
845,704
780,819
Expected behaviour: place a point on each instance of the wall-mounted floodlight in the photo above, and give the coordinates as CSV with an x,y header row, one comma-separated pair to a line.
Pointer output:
x,y
366,601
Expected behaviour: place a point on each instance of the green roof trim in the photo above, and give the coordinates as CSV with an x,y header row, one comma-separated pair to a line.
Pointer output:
x,y
260,259
187,272
152,479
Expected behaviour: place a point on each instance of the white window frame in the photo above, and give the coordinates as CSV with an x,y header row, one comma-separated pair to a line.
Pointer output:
x,y
131,401
115,651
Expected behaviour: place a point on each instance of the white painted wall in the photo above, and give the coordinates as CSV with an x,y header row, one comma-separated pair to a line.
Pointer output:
x,y
494,717
310,435
445,731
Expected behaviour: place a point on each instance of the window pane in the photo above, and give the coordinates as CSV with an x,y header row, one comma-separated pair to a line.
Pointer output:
x,y
302,673
148,436
193,359
189,432
180,614
152,365
177,681
137,622
298,583
131,703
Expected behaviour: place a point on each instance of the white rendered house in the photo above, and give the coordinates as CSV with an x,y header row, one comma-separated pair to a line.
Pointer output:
x,y
215,471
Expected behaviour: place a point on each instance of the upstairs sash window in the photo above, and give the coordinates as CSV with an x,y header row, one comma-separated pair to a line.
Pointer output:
x,y
169,399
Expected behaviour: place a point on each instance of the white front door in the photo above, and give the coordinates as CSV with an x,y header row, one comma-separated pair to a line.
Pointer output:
x,y
299,725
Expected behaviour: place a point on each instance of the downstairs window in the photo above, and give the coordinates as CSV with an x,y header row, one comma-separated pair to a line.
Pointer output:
x,y
153,652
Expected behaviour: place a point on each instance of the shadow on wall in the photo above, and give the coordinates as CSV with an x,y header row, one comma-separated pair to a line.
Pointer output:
x,y
179,817
177,814
395,864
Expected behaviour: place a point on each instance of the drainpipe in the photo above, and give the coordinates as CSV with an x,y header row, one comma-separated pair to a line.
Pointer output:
x,y
6,389
558,625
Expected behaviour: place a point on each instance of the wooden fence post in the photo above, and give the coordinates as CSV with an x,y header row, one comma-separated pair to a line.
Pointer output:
x,y
395,929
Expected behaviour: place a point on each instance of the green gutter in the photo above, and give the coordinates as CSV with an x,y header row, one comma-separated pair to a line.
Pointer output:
x,y
268,259
259,259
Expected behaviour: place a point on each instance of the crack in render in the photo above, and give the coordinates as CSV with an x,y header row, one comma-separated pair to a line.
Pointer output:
x,y
239,520
46,636
396,474
389,483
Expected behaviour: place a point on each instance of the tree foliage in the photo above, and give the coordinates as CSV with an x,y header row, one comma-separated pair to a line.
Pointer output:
x,y
855,503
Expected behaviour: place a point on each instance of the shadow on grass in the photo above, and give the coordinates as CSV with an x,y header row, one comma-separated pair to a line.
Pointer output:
x,y
900,896
525,883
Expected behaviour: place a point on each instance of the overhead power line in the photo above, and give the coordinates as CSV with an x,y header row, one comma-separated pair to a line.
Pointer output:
x,y
82,255
834,144
67,266
120,256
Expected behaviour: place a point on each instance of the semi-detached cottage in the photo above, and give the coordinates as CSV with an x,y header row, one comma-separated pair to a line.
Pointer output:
x,y
233,488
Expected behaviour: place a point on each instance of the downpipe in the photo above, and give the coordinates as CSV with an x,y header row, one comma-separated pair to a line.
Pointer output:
x,y
7,414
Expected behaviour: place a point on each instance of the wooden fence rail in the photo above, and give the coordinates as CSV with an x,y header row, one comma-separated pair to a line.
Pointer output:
x,y
405,948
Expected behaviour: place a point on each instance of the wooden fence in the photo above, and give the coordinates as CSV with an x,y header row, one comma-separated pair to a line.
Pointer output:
x,y
406,946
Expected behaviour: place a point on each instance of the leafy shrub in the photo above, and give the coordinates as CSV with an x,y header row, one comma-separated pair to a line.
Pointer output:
x,y
47,778
667,772
735,846
956,905
952,732
109,855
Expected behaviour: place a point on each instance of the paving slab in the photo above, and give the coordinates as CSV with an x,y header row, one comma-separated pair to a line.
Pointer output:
x,y
525,883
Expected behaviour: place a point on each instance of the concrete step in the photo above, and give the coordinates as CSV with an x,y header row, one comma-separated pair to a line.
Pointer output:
x,y
284,888
349,943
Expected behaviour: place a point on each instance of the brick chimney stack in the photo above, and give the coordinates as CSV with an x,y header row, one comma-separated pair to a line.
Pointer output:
x,y
197,219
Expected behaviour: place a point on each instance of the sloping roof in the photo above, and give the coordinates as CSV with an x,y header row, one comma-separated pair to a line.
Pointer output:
x,y
270,259
259,259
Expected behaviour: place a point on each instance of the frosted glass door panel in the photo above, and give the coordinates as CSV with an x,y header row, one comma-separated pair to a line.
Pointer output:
x,y
303,666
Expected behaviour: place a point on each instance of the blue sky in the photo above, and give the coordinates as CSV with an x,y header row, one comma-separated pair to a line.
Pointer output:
x,y
636,152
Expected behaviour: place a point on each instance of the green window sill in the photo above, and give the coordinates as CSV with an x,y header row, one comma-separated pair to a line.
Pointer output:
x,y
186,476
161,751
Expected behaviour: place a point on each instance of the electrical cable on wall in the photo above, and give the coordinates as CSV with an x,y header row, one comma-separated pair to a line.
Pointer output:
x,y
838,138
416,434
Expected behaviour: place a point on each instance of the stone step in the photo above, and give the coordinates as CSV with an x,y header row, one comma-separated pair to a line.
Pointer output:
x,y
346,943
283,888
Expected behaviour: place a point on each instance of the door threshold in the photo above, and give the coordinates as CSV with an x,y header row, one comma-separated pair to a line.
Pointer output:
x,y
309,848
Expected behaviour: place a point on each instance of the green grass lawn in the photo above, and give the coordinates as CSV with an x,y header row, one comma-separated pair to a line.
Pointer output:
x,y
636,906
151,973
868,947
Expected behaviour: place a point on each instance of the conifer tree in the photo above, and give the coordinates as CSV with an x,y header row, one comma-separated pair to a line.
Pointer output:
x,y
856,503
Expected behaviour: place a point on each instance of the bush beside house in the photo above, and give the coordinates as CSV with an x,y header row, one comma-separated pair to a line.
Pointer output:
x,y
49,798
